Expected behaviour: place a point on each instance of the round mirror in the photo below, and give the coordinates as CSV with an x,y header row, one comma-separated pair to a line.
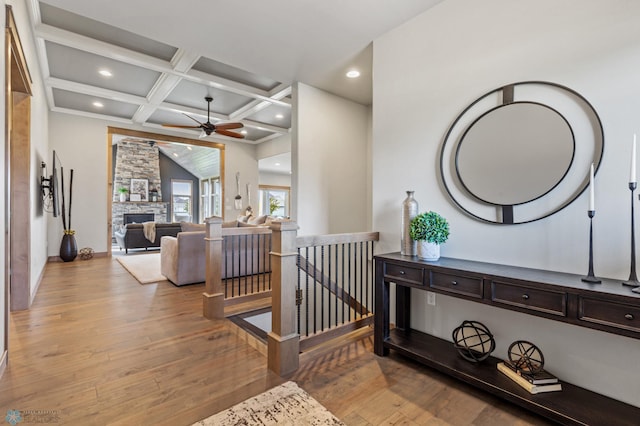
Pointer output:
x,y
521,152
515,153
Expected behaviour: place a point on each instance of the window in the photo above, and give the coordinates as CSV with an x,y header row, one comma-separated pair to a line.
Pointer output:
x,y
181,200
274,200
211,204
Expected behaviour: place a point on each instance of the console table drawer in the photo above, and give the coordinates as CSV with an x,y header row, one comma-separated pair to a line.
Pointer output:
x,y
395,273
468,286
547,301
609,313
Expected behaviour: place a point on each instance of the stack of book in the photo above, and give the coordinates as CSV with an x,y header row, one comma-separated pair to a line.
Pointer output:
x,y
538,382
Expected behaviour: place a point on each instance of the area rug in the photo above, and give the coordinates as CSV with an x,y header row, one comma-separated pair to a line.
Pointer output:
x,y
144,267
286,404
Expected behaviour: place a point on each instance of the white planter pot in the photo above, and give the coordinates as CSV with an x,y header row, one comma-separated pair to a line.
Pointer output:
x,y
428,251
123,197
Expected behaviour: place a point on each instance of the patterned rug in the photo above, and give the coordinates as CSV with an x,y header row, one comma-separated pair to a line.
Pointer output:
x,y
286,404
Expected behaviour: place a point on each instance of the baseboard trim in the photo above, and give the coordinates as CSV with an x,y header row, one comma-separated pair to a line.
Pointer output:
x,y
3,363
95,255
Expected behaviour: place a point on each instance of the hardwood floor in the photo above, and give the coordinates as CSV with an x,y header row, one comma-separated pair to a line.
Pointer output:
x,y
98,348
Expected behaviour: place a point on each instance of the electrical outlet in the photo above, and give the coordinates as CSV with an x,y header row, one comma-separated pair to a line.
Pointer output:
x,y
431,298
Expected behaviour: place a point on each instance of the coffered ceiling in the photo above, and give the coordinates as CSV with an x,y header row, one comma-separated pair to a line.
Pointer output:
x,y
164,57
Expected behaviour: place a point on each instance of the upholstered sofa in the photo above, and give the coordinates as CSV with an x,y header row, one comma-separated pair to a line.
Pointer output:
x,y
132,235
245,251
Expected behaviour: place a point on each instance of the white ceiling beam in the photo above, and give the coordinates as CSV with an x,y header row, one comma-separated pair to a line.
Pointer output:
x,y
121,54
86,44
91,115
280,92
182,109
230,86
86,89
183,60
263,126
249,109
158,93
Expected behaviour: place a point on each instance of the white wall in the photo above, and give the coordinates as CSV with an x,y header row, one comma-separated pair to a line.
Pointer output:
x,y
329,162
81,144
275,179
427,71
240,157
272,147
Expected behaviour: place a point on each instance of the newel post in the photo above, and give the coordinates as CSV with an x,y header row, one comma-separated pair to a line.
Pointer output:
x,y
283,340
213,296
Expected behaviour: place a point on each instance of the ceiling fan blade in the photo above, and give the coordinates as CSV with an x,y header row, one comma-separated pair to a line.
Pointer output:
x,y
227,126
228,133
192,119
177,126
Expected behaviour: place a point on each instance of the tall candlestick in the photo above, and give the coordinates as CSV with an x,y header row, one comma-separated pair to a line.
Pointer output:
x,y
632,176
592,202
633,277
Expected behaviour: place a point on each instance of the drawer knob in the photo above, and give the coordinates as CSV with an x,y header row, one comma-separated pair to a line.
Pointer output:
x,y
629,316
525,296
402,272
454,282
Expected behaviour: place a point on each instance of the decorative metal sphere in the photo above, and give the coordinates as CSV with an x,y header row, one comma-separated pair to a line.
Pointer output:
x,y
86,253
473,341
526,356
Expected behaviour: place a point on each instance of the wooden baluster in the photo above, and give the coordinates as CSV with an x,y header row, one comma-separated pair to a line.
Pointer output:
x,y
213,296
284,340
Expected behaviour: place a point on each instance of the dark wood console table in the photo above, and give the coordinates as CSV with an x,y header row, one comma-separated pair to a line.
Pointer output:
x,y
608,307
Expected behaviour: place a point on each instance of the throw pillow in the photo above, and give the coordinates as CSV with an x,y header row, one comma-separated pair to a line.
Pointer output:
x,y
244,218
230,224
190,227
257,220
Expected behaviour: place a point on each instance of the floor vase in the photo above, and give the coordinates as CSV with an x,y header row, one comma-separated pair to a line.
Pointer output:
x,y
68,248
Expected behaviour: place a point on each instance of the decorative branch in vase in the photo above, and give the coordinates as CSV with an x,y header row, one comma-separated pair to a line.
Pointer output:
x,y
68,246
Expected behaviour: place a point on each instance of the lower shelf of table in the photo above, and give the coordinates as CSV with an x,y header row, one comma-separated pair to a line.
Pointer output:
x,y
572,405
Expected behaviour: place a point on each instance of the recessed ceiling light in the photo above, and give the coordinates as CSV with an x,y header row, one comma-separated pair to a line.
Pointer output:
x,y
175,154
277,164
353,74
279,116
189,148
244,132
98,104
105,73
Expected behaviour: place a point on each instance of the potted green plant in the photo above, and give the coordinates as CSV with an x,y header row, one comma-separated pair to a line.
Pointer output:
x,y
430,230
123,193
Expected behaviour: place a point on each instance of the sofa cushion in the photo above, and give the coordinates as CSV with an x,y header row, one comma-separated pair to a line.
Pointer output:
x,y
230,224
245,224
191,227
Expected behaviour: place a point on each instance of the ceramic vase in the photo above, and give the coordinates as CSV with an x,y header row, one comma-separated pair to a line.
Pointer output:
x,y
409,211
68,248
428,251
123,197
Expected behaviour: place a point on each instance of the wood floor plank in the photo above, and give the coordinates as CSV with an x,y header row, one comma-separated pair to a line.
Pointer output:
x,y
99,348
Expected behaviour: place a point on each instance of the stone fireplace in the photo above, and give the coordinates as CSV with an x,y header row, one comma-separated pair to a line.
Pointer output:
x,y
137,160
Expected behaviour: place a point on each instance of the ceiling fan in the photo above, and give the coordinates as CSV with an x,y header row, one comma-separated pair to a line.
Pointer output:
x,y
209,127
